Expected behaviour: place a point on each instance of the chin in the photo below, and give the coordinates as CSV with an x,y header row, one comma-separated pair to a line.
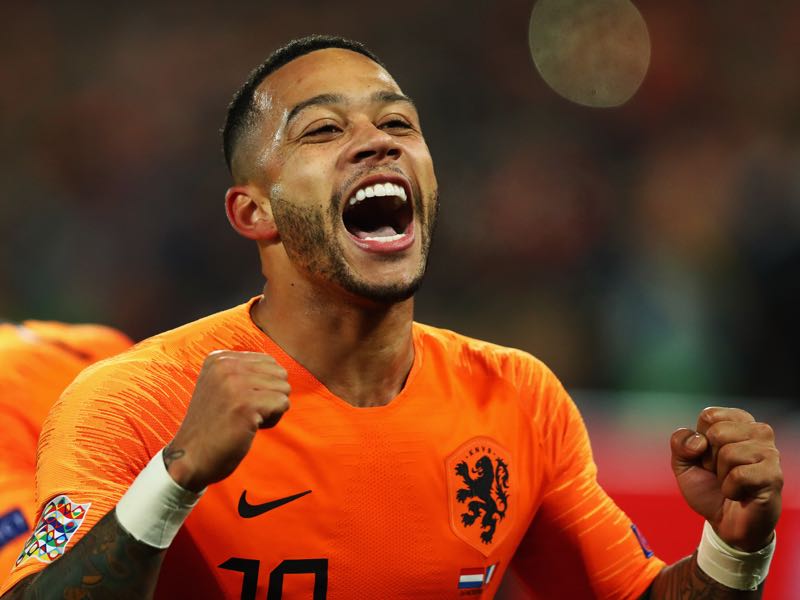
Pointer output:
x,y
384,294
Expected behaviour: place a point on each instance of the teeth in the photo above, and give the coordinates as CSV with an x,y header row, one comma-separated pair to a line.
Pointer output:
x,y
379,189
388,238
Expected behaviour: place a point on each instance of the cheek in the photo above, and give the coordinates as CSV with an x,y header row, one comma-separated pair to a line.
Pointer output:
x,y
424,166
306,182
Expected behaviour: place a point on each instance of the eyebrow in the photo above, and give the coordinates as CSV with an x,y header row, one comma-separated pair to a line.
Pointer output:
x,y
383,96
388,97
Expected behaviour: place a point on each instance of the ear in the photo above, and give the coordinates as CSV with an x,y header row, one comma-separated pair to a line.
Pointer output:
x,y
250,214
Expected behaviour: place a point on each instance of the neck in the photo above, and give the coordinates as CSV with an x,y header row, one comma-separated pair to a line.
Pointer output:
x,y
363,354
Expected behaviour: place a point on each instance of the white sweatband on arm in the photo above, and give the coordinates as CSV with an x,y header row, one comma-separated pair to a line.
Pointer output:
x,y
154,507
731,567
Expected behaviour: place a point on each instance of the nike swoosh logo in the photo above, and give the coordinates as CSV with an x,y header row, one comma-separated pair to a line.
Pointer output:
x,y
248,511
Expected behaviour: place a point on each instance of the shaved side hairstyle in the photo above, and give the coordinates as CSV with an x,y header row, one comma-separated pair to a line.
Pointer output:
x,y
243,112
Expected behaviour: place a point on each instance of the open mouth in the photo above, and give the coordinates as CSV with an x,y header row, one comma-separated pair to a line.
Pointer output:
x,y
380,212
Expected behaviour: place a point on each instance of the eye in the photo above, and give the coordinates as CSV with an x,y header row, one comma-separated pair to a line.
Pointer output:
x,y
396,124
323,131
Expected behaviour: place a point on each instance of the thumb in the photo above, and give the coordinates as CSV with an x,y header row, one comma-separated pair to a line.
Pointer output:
x,y
687,449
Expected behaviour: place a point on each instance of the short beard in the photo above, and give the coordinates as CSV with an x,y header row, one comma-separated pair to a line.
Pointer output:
x,y
307,242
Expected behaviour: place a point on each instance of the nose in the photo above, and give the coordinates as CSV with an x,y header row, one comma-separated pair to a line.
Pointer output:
x,y
371,144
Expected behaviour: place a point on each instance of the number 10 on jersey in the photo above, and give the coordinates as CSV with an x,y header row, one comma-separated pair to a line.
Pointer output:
x,y
318,567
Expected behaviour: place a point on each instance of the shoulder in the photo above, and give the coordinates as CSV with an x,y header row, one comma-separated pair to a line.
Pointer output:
x,y
229,329
186,347
159,373
479,357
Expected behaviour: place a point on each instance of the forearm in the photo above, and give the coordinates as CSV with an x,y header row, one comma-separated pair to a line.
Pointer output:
x,y
106,563
684,580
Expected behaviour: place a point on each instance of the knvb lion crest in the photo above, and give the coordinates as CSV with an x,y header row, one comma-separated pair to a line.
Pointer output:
x,y
480,487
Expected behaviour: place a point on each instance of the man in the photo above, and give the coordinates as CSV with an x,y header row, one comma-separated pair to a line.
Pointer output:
x,y
38,360
414,462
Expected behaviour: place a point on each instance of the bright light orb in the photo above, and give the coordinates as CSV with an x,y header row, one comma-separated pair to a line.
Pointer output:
x,y
592,52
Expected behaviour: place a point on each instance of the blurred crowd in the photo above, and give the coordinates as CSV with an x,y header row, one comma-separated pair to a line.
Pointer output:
x,y
655,246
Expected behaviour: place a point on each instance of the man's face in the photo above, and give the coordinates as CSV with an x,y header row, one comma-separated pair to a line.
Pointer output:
x,y
348,174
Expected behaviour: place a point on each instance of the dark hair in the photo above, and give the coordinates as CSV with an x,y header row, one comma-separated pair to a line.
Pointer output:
x,y
242,113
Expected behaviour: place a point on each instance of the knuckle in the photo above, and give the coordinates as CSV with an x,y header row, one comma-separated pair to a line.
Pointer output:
x,y
715,432
218,356
681,432
282,403
726,454
209,363
737,476
773,455
746,416
763,431
223,363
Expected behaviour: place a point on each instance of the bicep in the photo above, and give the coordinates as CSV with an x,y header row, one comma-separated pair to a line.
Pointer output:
x,y
580,544
587,550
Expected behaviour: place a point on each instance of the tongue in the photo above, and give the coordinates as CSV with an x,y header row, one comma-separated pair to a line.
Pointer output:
x,y
382,231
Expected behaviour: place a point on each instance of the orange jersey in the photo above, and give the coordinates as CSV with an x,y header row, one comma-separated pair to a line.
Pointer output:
x,y
37,361
430,496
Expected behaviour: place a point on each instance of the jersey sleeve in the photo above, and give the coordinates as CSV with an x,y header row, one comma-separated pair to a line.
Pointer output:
x,y
37,361
98,436
580,544
17,512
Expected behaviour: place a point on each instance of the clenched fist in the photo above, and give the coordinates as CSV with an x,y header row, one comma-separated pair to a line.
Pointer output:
x,y
729,472
236,394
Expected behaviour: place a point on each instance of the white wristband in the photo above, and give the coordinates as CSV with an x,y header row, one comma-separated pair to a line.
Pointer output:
x,y
731,567
154,507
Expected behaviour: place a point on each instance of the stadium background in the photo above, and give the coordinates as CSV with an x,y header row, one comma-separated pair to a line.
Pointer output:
x,y
649,254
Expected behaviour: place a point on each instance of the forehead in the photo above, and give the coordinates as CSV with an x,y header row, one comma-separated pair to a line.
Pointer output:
x,y
328,71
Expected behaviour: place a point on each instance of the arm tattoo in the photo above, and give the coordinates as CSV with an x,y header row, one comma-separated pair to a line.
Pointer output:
x,y
171,455
107,563
684,580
